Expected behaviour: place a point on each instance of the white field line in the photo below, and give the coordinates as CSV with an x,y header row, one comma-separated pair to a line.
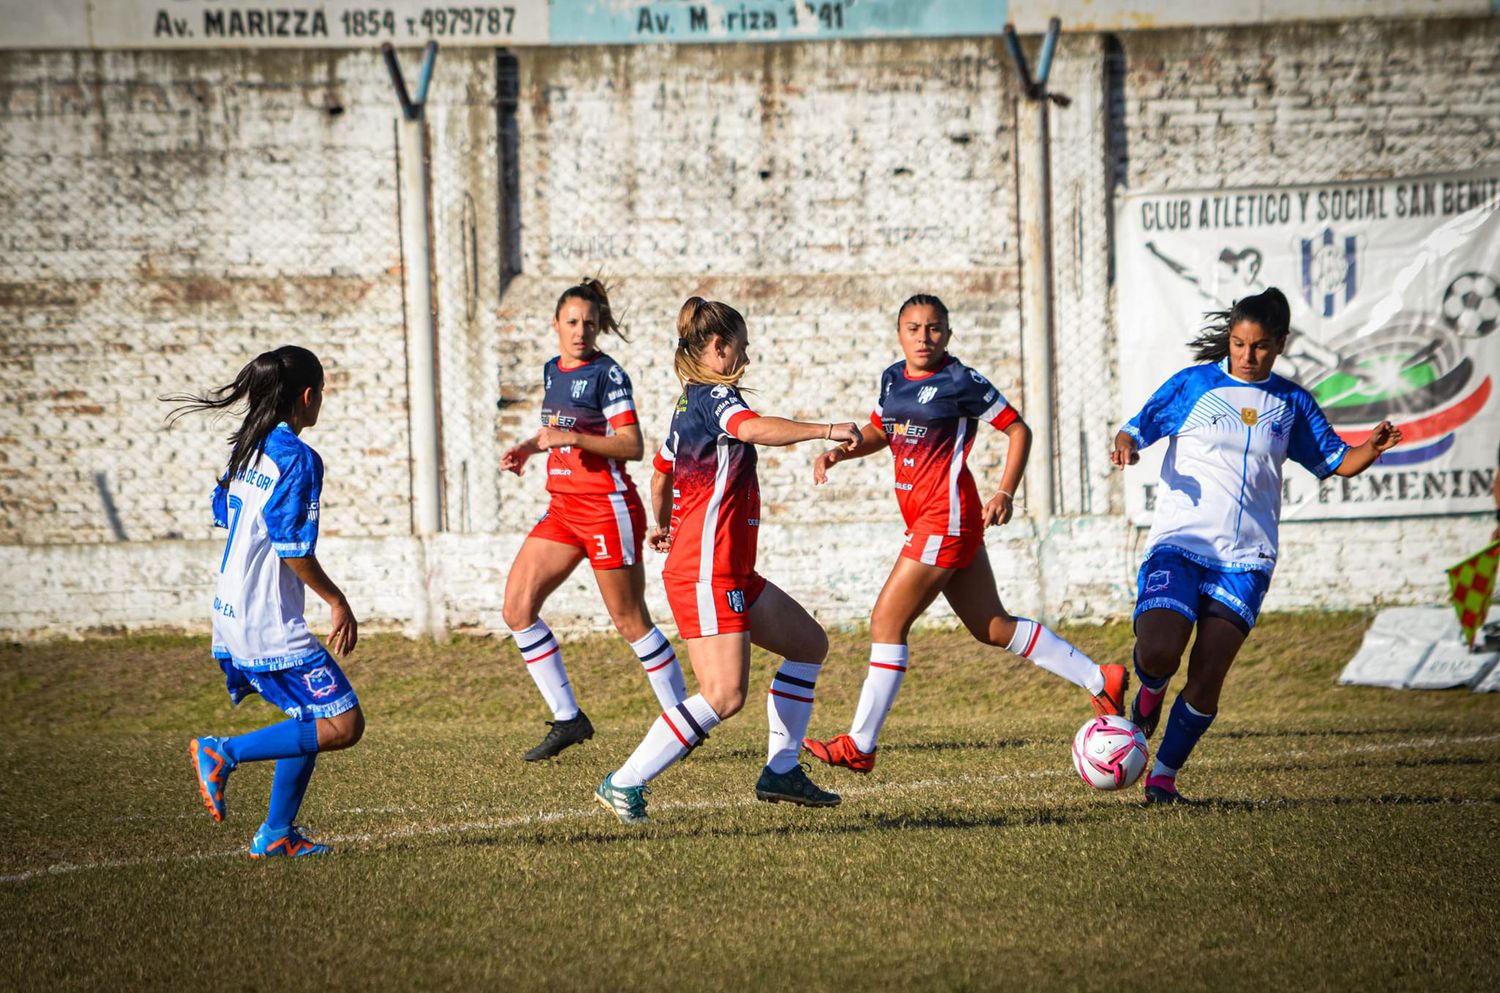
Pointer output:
x,y
403,831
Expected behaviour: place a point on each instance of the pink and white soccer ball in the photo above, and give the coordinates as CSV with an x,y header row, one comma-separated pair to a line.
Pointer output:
x,y
1109,753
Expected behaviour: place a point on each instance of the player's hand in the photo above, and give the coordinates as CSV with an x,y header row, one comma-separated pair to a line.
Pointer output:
x,y
847,433
345,633
660,539
549,438
823,463
515,460
1125,452
1384,437
999,509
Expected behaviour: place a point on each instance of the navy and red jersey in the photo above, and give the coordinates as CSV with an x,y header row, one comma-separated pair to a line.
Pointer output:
x,y
715,494
593,398
930,421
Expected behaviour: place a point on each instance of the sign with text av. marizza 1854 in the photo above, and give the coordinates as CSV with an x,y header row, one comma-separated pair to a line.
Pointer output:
x,y
1395,293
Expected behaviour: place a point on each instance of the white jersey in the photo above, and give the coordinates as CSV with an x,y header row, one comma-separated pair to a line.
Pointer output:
x,y
1220,495
271,511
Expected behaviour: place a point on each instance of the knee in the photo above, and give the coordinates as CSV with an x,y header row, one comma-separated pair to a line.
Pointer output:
x,y
727,702
342,734
815,648
518,612
888,630
1156,659
632,625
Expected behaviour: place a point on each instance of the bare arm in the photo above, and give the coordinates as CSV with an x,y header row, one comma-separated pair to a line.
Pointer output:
x,y
1002,505
514,460
1359,458
626,443
871,440
779,432
660,537
345,631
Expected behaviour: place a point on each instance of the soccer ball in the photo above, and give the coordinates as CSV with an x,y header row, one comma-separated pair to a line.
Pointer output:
x,y
1109,753
1471,305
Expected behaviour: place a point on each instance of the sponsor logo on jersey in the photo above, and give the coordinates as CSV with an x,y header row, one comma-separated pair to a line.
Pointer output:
x,y
1158,580
579,385
975,375
753,522
719,392
319,682
910,463
682,403
547,381
1278,428
312,511
736,600
898,429
616,394
551,420
903,486
1249,415
615,375
989,394
559,472
926,393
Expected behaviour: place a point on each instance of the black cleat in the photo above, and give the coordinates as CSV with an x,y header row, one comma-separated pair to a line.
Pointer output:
x,y
561,734
1146,722
1159,796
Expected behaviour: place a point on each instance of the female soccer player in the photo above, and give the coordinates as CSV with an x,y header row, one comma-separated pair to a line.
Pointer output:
x,y
268,500
706,501
589,431
1212,545
929,408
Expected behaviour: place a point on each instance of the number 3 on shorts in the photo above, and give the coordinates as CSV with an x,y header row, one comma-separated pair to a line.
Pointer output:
x,y
603,548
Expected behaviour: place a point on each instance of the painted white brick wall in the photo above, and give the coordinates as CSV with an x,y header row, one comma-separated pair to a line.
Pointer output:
x,y
171,214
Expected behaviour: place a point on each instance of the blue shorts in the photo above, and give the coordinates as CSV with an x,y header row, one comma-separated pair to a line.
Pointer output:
x,y
315,688
1172,580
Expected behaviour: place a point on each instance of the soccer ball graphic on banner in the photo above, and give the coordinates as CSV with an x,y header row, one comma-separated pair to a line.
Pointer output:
x,y
1109,753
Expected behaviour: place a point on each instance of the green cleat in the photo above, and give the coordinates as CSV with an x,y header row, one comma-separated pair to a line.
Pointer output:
x,y
628,803
793,786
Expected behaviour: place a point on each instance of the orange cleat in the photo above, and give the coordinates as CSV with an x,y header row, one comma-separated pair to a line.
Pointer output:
x,y
1111,701
841,751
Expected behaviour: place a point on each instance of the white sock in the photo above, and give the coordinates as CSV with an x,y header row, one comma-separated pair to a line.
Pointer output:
x,y
1033,641
544,661
789,707
882,683
676,732
662,668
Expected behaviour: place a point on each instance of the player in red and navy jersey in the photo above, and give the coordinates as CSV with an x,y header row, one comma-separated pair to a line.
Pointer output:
x,y
706,500
589,431
928,413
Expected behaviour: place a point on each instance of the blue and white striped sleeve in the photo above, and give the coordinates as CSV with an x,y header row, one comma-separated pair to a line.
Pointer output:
x,y
1314,444
1165,411
292,510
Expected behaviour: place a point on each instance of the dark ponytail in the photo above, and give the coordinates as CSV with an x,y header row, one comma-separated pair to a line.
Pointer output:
x,y
592,290
1268,308
269,386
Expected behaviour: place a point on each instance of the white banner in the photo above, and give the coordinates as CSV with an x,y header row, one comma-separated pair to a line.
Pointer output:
x,y
1395,292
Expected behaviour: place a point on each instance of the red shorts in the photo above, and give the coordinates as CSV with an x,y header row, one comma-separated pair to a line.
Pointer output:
x,y
943,550
608,527
720,607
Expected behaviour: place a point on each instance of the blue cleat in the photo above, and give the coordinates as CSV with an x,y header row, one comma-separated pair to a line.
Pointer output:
x,y
628,803
287,843
212,767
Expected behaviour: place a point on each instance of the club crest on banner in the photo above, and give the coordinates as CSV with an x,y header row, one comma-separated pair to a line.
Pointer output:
x,y
1329,271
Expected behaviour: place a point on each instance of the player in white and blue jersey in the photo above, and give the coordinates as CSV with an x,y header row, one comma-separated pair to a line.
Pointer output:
x,y
268,500
1230,423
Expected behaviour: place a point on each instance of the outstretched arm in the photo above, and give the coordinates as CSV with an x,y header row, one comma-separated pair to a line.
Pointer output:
x,y
1002,505
871,440
1359,458
779,432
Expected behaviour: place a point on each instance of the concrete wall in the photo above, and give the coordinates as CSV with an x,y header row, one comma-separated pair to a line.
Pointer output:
x,y
169,215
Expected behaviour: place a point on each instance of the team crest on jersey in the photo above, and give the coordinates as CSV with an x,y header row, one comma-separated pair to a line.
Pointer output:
x,y
1158,580
1250,416
977,376
736,600
615,375
579,385
312,510
319,682
548,381
719,392
926,393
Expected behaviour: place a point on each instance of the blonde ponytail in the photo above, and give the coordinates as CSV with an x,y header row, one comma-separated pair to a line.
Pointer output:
x,y
699,322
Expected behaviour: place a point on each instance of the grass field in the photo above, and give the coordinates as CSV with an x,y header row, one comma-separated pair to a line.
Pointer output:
x,y
1351,840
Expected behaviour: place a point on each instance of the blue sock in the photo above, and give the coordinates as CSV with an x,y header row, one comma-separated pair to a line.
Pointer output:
x,y
288,787
1153,683
286,740
1184,727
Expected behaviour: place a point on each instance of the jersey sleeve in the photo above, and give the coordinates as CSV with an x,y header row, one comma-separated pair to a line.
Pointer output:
x,y
730,410
977,397
666,455
1314,444
1163,413
292,509
617,399
877,416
